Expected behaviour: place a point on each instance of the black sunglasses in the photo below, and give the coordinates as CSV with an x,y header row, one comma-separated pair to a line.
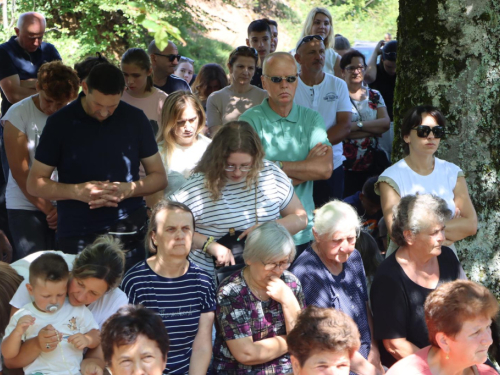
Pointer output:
x,y
289,79
245,49
423,131
308,38
170,57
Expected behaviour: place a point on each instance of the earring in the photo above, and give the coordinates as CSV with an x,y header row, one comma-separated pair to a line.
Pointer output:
x,y
156,243
447,356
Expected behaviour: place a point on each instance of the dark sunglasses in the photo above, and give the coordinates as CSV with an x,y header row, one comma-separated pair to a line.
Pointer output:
x,y
245,49
171,57
423,131
308,38
289,79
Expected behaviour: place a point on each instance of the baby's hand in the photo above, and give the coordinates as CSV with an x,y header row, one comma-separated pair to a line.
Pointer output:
x,y
79,341
23,323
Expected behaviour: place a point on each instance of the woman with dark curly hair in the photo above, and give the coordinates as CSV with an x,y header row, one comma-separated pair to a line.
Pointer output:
x,y
32,220
234,189
369,121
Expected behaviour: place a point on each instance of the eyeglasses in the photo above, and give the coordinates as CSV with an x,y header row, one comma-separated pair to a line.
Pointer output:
x,y
273,266
423,131
308,38
245,49
170,57
352,69
278,79
242,168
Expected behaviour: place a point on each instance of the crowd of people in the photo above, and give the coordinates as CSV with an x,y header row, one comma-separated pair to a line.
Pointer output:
x,y
165,218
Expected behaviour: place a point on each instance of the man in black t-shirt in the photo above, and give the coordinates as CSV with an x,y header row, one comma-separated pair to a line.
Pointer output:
x,y
382,76
164,64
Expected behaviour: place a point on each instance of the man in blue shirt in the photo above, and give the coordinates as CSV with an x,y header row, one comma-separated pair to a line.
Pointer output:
x,y
164,64
97,144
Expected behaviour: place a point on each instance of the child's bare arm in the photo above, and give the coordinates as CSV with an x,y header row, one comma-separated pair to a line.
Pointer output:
x,y
11,345
91,339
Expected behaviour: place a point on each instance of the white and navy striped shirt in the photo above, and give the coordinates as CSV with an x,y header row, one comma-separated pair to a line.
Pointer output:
x,y
179,302
237,206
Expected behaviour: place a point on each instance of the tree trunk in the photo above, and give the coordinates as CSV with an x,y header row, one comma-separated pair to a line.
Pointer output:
x,y
449,56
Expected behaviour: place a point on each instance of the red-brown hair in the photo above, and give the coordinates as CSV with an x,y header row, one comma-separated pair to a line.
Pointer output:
x,y
58,81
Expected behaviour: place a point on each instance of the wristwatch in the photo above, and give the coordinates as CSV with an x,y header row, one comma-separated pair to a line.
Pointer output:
x,y
359,125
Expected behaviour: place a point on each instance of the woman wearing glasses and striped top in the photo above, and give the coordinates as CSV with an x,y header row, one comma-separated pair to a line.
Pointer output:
x,y
234,188
229,103
421,172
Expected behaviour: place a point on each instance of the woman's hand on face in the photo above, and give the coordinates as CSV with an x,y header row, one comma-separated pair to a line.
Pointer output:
x,y
279,291
223,256
248,231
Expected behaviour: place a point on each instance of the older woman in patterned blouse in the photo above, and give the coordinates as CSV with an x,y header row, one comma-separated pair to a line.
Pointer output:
x,y
257,307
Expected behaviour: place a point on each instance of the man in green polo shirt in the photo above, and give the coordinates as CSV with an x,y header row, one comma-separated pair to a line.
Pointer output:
x,y
293,136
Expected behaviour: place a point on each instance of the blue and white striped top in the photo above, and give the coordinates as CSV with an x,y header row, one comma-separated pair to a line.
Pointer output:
x,y
180,303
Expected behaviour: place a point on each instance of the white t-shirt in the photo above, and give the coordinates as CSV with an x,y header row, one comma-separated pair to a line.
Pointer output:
x,y
327,98
152,105
101,309
226,105
236,207
26,117
184,159
68,320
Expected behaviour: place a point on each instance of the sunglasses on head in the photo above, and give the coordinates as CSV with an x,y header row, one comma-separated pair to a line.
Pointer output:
x,y
170,57
423,131
308,38
289,79
245,49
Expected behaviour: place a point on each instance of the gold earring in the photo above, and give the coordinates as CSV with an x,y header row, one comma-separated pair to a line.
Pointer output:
x,y
447,355
156,243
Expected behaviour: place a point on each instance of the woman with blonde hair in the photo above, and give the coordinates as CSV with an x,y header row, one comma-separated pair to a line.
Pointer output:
x,y
319,22
233,189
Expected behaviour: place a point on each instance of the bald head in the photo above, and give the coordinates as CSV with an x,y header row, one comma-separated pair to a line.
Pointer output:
x,y
163,62
278,58
153,48
30,29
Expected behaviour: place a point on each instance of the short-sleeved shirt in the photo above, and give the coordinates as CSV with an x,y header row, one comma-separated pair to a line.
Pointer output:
x,y
398,303
152,105
16,60
385,83
179,301
68,320
256,80
173,84
290,139
85,149
241,314
345,292
416,364
101,310
369,223
226,105
327,98
27,118
237,206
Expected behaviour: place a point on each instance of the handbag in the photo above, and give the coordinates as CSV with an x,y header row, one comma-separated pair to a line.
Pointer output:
x,y
230,241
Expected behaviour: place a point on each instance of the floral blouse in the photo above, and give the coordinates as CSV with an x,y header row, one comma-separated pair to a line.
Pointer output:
x,y
356,151
241,314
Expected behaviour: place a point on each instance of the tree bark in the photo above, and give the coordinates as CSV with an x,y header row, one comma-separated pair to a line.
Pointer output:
x,y
449,56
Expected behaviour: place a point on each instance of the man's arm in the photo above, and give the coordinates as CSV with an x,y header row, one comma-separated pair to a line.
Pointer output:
x,y
371,70
318,165
340,131
15,90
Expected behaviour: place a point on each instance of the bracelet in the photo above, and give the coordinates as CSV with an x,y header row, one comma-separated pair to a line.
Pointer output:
x,y
207,243
279,164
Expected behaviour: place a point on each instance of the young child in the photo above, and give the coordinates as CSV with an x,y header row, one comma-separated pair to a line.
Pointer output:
x,y
51,310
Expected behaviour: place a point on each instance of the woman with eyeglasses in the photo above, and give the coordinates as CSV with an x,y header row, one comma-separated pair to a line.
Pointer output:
x,y
185,69
369,120
258,306
332,275
229,103
421,172
234,189
319,22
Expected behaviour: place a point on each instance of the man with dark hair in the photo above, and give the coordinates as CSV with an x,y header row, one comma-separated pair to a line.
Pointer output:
x,y
97,144
273,25
164,64
259,37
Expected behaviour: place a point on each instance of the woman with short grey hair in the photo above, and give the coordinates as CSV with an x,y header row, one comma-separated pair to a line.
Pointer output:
x,y
258,305
407,276
332,275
